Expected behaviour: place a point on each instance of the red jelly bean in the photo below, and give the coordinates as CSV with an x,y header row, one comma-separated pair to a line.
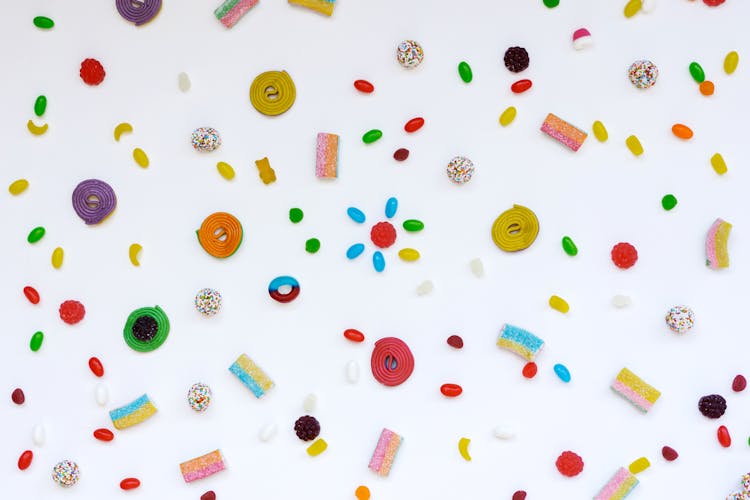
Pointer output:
x,y
451,390
209,495
104,434
401,154
569,464
354,335
739,383
31,294
414,124
72,311
455,341
96,366
624,255
25,459
519,495
92,72
669,454
18,396
129,483
520,86
713,3
722,434
529,370
364,86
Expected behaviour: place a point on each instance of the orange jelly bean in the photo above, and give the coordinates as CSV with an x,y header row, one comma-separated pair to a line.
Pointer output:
x,y
682,131
706,88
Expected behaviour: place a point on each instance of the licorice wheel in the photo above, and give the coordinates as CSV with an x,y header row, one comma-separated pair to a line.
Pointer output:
x,y
94,200
146,329
138,11
515,229
273,93
283,281
220,235
392,361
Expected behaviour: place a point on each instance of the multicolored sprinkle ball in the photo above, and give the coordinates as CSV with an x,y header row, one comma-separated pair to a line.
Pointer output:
x,y
409,54
208,301
460,169
680,319
643,74
66,473
199,397
206,139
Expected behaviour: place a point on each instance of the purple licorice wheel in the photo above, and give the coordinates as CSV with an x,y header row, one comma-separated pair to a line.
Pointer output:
x,y
137,11
94,200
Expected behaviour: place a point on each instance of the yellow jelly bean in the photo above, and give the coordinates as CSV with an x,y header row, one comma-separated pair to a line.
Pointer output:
x,y
720,166
508,116
600,131
140,157
133,252
121,129
226,170
57,258
634,145
559,304
730,62
36,129
639,465
18,187
632,8
318,447
408,254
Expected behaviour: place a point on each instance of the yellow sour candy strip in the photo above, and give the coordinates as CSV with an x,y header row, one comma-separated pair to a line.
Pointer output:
x,y
272,93
600,131
140,157
318,447
121,129
634,145
133,252
322,6
515,229
35,129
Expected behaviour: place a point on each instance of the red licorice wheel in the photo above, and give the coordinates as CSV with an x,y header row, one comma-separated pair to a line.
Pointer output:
x,y
364,86
451,390
354,335
392,362
130,483
520,86
414,124
104,434
31,294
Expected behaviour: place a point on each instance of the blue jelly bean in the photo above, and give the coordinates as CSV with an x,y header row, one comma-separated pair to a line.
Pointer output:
x,y
390,207
562,372
355,251
378,261
356,215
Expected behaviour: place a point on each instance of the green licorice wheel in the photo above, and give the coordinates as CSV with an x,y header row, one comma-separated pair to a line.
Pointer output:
x,y
146,329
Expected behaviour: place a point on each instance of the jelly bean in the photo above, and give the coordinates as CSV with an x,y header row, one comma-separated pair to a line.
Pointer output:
x,y
40,105
352,372
225,170
309,403
140,158
464,71
455,341
682,131
632,8
451,390
268,432
722,434
25,460
648,6
634,145
559,304
96,366
318,447
133,252
57,257
697,72
718,163
413,225
209,495
183,82
520,86
639,465
414,124
477,267
104,434
101,394
707,88
372,135
17,396
507,117
401,154
18,187
391,206
569,246
36,341
503,432
378,261
362,493
355,251
356,215
36,234
600,131
529,370
409,254
551,4
364,86
43,23
354,335
519,495
562,372
36,129
38,435
739,383
129,483
669,454
31,294
621,301
668,202
730,62
425,288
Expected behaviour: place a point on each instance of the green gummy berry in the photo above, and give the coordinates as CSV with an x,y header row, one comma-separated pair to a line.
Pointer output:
x,y
669,202
312,245
296,215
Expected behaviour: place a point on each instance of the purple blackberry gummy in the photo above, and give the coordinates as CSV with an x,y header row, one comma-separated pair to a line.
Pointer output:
x,y
712,406
307,428
145,328
516,59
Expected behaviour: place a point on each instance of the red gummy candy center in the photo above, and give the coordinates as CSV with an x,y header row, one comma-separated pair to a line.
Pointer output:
x,y
383,234
624,255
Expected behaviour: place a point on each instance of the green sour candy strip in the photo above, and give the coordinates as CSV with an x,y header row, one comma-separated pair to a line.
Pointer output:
x,y
464,71
569,247
44,23
40,105
697,72
36,234
413,225
36,341
372,136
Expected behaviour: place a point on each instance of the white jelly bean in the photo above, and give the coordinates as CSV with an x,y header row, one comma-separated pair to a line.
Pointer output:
x,y
477,267
352,372
183,82
425,288
648,6
268,432
504,432
310,402
38,436
101,394
621,301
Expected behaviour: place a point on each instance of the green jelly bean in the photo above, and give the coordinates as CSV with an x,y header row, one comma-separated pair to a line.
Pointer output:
x,y
36,234
296,215
551,3
44,23
413,225
569,247
312,245
697,72
36,341
464,71
40,106
669,202
372,136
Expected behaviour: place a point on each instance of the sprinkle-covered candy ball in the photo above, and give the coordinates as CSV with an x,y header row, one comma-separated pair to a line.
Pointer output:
x,y
409,54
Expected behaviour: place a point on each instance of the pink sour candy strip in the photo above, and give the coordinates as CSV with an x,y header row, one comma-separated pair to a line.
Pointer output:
x,y
326,158
385,452
632,396
564,132
620,486
236,13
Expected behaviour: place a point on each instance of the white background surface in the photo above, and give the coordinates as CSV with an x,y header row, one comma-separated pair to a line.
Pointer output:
x,y
599,196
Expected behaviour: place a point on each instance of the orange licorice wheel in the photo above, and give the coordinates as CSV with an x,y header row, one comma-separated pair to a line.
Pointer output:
x,y
220,234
